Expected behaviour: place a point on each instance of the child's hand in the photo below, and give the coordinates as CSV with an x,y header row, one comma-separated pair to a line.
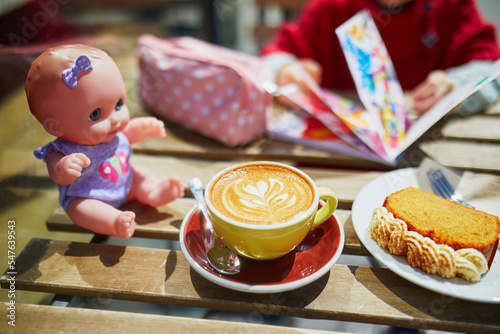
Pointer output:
x,y
305,73
293,73
142,128
65,170
431,90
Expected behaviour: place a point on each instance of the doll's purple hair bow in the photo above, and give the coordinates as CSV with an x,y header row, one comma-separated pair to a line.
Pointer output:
x,y
70,75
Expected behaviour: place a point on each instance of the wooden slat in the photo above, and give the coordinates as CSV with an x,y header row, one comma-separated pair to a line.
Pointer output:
x,y
158,223
165,222
345,183
353,245
350,293
493,109
42,319
190,144
479,127
467,155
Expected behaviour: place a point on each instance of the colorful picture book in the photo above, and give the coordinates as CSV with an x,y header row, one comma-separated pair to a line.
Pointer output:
x,y
377,128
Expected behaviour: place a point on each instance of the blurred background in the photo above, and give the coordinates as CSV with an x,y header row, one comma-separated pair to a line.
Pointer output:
x,y
28,26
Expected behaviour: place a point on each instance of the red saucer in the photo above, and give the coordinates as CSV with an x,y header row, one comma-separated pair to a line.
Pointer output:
x,y
310,260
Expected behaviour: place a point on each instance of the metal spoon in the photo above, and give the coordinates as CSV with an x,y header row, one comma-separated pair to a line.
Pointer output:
x,y
222,259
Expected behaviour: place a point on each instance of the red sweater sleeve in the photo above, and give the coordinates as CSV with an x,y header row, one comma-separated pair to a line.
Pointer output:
x,y
471,38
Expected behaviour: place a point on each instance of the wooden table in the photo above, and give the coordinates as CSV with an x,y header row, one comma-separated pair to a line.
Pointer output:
x,y
348,292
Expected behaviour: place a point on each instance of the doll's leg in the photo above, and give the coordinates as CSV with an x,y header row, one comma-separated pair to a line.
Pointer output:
x,y
147,188
101,217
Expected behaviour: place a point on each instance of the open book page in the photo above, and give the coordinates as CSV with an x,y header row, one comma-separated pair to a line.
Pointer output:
x,y
374,76
320,110
298,126
349,120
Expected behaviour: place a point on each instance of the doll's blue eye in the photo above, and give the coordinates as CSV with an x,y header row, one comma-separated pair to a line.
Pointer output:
x,y
119,105
95,115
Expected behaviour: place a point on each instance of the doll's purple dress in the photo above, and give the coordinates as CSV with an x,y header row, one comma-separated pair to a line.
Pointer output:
x,y
108,178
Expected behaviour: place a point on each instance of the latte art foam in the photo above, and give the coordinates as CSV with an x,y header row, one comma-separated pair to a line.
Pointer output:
x,y
265,198
262,194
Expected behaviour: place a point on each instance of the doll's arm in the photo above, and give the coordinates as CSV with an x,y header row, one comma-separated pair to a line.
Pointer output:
x,y
142,128
65,169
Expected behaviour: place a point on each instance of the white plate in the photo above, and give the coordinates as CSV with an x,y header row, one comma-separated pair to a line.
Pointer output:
x,y
324,244
487,290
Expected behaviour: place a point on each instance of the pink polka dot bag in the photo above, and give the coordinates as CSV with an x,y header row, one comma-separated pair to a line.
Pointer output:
x,y
209,89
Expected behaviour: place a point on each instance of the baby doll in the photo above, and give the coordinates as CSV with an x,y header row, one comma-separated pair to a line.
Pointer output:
x,y
77,93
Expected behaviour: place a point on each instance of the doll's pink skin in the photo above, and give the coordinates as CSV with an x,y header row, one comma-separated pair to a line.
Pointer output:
x,y
65,114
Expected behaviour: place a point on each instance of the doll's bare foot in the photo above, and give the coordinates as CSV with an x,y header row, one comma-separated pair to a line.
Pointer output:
x,y
162,193
167,191
150,190
125,224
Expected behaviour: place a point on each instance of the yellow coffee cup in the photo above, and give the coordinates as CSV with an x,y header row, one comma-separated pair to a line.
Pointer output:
x,y
262,210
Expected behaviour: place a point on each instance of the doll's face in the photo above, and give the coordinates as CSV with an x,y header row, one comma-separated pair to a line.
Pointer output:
x,y
97,112
91,113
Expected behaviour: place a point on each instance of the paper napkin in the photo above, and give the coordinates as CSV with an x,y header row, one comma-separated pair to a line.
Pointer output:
x,y
479,189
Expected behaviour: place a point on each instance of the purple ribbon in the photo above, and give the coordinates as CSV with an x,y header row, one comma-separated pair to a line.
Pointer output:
x,y
70,75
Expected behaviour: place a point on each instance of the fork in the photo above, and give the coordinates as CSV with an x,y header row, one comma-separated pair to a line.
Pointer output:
x,y
443,188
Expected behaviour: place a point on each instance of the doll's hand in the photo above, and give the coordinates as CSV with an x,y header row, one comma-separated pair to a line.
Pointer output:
x,y
142,128
431,90
65,170
153,126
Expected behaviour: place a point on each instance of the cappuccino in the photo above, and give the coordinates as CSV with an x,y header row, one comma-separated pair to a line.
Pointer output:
x,y
262,194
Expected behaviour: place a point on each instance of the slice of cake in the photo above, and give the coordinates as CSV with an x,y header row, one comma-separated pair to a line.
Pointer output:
x,y
440,236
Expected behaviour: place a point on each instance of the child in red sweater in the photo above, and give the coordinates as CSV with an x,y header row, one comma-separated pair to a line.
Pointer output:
x,y
433,45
